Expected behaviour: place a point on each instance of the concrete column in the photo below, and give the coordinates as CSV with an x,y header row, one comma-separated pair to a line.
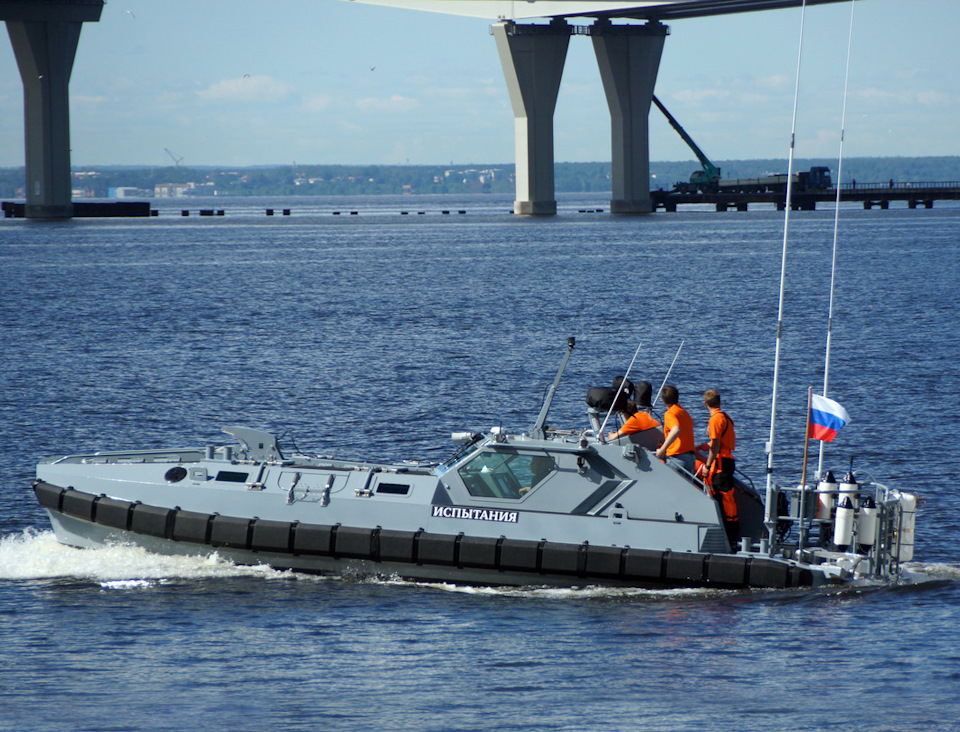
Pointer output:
x,y
629,58
45,36
532,57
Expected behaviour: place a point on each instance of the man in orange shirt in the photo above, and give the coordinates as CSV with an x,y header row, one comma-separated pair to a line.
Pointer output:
x,y
679,446
720,464
638,420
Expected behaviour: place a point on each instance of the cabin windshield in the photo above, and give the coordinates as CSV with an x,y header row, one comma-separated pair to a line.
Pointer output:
x,y
505,475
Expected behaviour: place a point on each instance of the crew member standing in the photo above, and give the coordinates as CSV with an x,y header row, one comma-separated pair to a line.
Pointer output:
x,y
679,446
720,464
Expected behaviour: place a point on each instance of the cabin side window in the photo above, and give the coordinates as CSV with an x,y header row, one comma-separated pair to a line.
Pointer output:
x,y
505,475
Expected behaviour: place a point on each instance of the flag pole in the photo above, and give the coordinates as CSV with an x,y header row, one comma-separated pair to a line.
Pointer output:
x,y
803,472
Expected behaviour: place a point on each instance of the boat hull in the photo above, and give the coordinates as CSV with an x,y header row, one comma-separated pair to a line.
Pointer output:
x,y
87,520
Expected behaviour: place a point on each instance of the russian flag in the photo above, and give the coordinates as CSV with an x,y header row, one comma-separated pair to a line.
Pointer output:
x,y
827,418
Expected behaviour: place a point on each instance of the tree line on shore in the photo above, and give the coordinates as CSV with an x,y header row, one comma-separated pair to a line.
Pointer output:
x,y
288,180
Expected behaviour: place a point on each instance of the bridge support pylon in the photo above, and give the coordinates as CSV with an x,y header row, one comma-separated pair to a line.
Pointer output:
x,y
45,37
629,59
533,57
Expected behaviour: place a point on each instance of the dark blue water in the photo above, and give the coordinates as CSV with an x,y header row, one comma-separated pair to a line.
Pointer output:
x,y
376,335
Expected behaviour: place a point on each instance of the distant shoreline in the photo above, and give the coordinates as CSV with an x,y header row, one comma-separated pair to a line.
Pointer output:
x,y
114,181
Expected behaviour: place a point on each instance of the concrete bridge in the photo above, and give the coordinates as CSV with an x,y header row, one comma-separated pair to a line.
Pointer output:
x,y
45,34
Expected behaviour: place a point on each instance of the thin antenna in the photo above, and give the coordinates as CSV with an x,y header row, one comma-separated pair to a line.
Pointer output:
x,y
669,370
836,226
769,519
623,381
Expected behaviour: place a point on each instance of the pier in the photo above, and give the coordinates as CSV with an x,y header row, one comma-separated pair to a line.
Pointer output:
x,y
872,195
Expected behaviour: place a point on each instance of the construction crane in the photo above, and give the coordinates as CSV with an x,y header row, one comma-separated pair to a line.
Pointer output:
x,y
176,159
704,180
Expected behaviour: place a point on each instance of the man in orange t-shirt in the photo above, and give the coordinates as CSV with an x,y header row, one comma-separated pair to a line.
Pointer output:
x,y
679,446
720,464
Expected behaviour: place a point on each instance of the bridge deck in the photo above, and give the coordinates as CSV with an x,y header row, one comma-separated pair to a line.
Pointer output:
x,y
870,194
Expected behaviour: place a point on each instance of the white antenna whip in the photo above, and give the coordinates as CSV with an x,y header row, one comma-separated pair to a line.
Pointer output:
x,y
619,389
769,519
836,226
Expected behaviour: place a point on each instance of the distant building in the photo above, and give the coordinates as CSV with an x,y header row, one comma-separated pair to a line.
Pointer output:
x,y
128,192
182,190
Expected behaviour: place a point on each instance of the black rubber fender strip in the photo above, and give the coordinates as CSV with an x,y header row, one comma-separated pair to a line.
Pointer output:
x,y
313,539
416,545
191,526
230,532
113,513
437,549
560,558
271,536
78,504
644,564
353,543
519,555
151,520
726,571
48,495
603,561
478,552
767,573
396,546
685,567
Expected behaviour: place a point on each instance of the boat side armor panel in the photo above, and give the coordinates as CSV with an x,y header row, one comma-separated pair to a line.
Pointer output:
x,y
192,526
113,513
313,539
727,571
519,555
396,546
764,573
603,561
563,558
644,564
421,547
272,536
683,567
230,532
437,549
48,495
354,543
479,552
151,520
78,504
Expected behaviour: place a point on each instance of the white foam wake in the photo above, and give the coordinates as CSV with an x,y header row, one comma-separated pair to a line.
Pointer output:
x,y
34,555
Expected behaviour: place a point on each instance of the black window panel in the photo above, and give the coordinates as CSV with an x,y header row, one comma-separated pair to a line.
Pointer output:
x,y
231,476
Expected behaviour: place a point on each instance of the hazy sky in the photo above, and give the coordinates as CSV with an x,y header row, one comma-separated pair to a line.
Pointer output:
x,y
236,82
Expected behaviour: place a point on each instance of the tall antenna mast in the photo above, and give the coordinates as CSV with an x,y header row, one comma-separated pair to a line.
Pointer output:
x,y
836,226
769,517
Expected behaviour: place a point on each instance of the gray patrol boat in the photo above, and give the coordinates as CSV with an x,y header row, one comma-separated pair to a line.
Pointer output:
x,y
544,507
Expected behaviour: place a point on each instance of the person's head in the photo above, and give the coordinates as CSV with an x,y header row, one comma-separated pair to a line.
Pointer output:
x,y
644,390
629,408
670,395
711,397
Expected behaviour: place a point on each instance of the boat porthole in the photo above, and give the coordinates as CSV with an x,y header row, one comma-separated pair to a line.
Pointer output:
x,y
175,475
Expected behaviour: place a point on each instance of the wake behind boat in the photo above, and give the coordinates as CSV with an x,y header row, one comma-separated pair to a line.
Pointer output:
x,y
548,506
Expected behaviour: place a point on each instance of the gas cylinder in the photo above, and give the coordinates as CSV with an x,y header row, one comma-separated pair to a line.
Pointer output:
x,y
843,526
827,497
867,524
908,519
849,488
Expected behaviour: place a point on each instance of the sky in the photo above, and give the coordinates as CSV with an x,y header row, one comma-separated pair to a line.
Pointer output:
x,y
240,83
